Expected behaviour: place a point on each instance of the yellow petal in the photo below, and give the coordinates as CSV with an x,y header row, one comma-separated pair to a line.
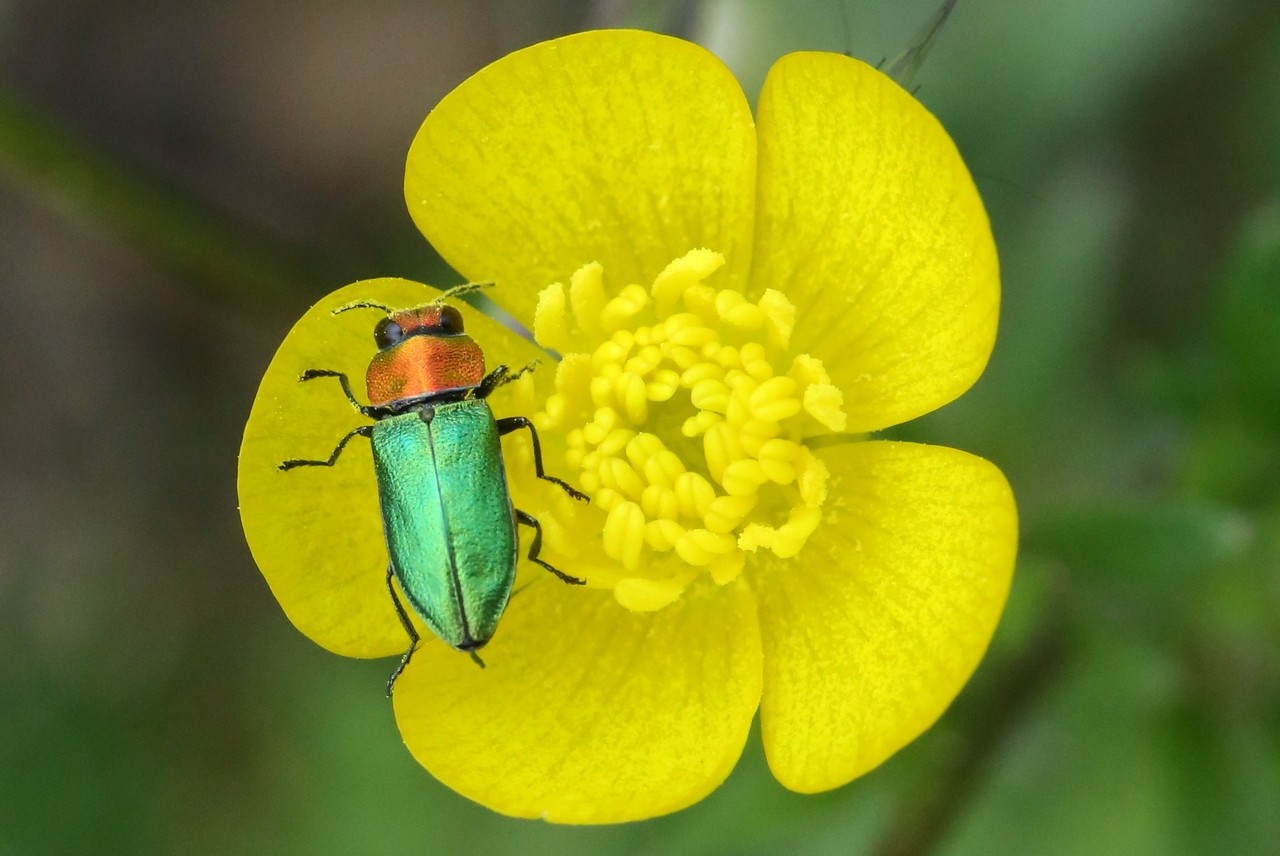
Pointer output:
x,y
588,712
870,224
316,532
869,638
620,147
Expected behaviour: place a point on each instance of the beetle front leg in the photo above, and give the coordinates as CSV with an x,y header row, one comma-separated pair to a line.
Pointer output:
x,y
362,431
312,374
536,547
408,628
515,423
492,381
501,376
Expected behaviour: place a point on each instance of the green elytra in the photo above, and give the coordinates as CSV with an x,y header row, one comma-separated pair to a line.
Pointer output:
x,y
447,515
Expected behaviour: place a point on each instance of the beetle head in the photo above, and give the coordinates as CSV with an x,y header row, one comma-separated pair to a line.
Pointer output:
x,y
422,351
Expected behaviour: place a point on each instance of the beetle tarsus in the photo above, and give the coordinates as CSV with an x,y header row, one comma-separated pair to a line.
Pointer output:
x,y
519,373
515,423
408,628
475,658
536,547
363,431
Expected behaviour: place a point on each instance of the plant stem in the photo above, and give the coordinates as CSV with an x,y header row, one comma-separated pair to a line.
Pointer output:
x,y
206,247
922,823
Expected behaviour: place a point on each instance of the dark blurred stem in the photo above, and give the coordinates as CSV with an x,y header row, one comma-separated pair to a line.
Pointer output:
x,y
679,17
201,245
603,14
922,823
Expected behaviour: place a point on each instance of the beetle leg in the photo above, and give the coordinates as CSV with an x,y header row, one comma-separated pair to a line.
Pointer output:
x,y
408,628
491,381
363,431
536,547
518,373
515,423
501,376
312,374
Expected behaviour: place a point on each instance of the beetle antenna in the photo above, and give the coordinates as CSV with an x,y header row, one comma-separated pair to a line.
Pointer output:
x,y
362,304
459,290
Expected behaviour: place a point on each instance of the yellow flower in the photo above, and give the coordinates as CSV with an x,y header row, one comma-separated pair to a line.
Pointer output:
x,y
737,305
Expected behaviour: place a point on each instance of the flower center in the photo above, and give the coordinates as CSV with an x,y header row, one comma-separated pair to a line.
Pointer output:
x,y
684,415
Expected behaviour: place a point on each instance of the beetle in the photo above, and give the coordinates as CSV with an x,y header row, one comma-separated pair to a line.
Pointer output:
x,y
447,515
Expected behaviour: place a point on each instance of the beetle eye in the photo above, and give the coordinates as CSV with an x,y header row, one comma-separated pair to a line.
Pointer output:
x,y
387,333
450,321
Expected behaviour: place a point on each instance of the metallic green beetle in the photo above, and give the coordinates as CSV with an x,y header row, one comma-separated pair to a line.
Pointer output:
x,y
447,515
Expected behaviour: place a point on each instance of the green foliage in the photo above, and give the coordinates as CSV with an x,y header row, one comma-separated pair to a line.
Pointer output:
x,y
1246,321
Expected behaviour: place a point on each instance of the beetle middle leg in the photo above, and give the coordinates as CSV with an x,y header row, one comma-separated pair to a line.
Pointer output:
x,y
362,431
515,423
408,628
536,547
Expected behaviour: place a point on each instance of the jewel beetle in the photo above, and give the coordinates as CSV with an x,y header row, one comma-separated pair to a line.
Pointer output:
x,y
447,515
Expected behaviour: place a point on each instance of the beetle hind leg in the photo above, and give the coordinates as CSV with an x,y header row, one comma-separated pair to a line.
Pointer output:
x,y
408,628
536,547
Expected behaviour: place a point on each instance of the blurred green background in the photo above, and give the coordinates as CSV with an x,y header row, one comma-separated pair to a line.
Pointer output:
x,y
179,181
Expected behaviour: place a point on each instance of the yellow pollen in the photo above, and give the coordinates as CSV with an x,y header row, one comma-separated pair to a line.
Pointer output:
x,y
684,416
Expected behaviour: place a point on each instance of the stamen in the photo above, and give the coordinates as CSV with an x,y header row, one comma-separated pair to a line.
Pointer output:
x,y
685,416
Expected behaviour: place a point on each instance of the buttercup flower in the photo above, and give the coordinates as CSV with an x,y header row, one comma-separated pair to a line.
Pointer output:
x,y
736,306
